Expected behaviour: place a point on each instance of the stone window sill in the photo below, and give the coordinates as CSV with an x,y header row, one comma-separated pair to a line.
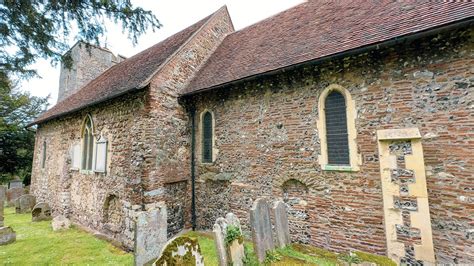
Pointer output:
x,y
87,172
339,168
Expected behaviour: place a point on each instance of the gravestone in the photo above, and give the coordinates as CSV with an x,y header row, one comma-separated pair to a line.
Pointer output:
x,y
150,234
181,250
17,183
13,194
281,224
261,227
25,203
60,222
3,197
237,252
3,193
41,212
232,253
219,230
7,235
1,213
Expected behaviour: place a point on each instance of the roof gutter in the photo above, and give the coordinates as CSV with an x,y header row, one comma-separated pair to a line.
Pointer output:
x,y
355,51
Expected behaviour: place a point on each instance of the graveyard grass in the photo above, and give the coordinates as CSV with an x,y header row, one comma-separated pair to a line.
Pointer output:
x,y
36,243
295,254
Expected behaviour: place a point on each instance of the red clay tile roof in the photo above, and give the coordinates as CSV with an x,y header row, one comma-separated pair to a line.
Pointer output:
x,y
316,29
131,74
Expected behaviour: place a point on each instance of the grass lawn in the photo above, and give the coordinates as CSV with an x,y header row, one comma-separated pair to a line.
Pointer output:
x,y
288,255
295,254
36,243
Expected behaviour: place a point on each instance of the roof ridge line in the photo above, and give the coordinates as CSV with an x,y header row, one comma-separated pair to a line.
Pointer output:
x,y
173,55
271,17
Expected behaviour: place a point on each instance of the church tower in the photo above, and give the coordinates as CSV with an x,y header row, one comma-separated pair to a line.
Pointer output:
x,y
88,62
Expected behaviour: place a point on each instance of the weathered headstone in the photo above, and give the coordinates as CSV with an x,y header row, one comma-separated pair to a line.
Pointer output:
x,y
231,253
237,252
261,228
281,224
1,213
7,235
219,230
13,194
60,222
3,193
150,234
41,212
181,250
25,203
17,183
3,197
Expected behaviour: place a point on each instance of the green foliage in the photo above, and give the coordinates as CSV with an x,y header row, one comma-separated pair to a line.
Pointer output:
x,y
45,247
233,233
272,256
350,258
17,109
250,258
40,29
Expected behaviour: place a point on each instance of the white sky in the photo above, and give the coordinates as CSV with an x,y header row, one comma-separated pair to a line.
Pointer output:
x,y
175,15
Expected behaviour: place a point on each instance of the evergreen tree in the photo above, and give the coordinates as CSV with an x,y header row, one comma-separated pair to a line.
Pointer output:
x,y
30,30
17,109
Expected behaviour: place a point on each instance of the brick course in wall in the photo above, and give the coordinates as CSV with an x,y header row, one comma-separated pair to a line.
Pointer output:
x,y
265,135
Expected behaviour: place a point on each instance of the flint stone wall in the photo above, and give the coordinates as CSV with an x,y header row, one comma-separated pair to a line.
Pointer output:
x,y
81,195
148,155
266,134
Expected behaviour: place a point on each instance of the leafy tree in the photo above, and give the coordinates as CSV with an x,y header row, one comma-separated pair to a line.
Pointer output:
x,y
30,30
17,109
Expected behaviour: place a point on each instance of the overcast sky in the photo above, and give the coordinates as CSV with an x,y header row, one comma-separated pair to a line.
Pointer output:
x,y
175,15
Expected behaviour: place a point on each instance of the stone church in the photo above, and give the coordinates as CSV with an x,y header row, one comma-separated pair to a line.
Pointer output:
x,y
358,114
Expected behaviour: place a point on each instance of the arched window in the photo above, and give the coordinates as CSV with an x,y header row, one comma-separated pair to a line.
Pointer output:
x,y
207,137
87,144
43,157
336,129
